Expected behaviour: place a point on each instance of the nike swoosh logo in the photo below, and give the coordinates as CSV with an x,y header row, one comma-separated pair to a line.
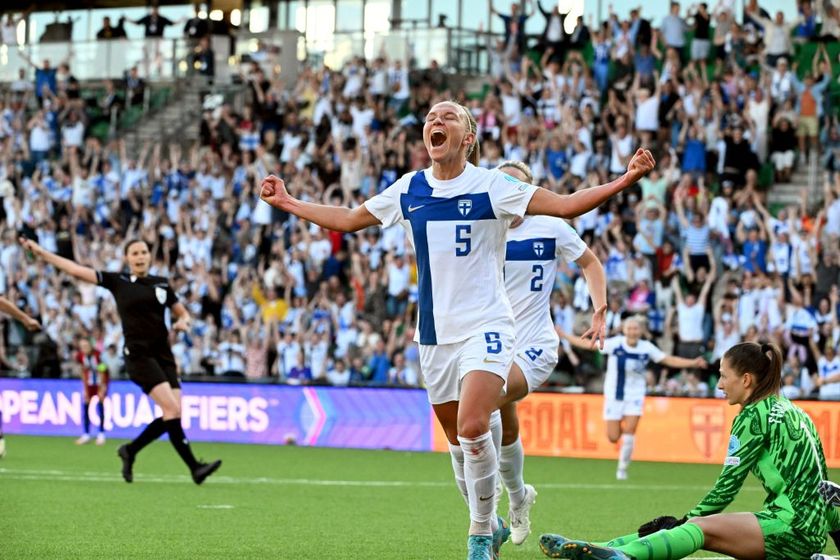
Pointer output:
x,y
412,209
484,499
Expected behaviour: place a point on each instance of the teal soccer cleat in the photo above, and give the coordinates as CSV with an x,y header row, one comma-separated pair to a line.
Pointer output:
x,y
500,536
479,547
556,546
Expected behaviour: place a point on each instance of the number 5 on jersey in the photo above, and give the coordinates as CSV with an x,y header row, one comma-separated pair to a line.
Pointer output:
x,y
463,242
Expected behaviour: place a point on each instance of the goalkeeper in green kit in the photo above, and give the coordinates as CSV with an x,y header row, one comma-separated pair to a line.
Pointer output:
x,y
771,438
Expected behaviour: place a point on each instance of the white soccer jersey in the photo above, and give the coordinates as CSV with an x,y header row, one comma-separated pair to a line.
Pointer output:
x,y
533,250
626,367
458,230
826,369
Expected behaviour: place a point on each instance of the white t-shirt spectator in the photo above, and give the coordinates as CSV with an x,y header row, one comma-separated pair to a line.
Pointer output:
x,y
231,357
832,218
73,135
512,108
830,391
39,139
398,279
338,378
690,322
621,148
647,114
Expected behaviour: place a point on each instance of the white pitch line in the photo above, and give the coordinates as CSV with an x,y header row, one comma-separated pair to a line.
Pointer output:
x,y
87,476
73,476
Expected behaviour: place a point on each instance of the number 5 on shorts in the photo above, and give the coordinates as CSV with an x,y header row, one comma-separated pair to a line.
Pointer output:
x,y
494,342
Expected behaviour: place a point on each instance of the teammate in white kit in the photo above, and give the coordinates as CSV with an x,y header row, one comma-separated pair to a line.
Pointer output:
x,y
628,357
457,216
828,370
535,245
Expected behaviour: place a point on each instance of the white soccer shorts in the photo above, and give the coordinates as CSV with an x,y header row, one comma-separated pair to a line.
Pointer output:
x,y
537,362
444,365
632,405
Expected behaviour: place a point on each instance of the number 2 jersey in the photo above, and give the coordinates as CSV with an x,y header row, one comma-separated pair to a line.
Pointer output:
x,y
779,444
458,229
533,251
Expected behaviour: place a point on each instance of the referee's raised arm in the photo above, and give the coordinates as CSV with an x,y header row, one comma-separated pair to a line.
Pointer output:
x,y
72,268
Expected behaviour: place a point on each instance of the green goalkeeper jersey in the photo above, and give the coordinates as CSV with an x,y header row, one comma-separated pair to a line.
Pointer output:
x,y
778,442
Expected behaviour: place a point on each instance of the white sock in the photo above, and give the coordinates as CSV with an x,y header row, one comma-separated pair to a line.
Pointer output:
x,y
480,470
457,455
496,430
627,443
511,465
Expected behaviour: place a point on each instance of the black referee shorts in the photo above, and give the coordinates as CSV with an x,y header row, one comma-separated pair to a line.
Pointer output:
x,y
150,365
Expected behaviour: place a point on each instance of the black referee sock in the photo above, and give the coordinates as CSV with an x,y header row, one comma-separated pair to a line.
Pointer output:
x,y
150,433
180,442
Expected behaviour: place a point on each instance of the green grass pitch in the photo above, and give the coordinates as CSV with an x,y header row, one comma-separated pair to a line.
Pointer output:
x,y
58,500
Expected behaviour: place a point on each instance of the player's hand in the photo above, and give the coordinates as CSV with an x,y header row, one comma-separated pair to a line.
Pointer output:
x,y
273,191
641,164
31,324
663,522
830,493
701,363
31,247
182,324
598,330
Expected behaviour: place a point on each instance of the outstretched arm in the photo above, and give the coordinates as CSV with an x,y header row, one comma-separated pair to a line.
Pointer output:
x,y
273,191
596,282
682,363
576,341
547,203
11,310
65,265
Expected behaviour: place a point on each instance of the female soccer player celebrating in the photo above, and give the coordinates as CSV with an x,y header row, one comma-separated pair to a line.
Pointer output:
x,y
625,384
141,303
457,216
770,437
535,245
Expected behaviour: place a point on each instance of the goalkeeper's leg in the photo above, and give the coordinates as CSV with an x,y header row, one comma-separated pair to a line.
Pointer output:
x,y
737,534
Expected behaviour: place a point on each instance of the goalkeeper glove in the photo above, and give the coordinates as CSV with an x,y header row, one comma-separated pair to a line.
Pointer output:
x,y
659,524
830,493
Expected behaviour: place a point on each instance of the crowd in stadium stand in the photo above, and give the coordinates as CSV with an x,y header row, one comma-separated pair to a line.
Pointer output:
x,y
696,248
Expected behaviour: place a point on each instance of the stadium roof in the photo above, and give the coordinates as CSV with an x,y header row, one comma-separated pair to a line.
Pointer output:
x,y
62,5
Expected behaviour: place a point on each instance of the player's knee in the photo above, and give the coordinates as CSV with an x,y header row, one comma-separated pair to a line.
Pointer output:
x,y
614,437
473,426
171,410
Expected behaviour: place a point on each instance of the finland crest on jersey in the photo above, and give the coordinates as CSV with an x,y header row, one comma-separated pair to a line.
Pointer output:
x,y
457,228
531,256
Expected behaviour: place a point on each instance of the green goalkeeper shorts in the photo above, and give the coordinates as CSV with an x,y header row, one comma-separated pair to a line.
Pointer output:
x,y
783,542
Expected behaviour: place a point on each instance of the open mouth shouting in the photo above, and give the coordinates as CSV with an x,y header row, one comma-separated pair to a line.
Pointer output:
x,y
438,137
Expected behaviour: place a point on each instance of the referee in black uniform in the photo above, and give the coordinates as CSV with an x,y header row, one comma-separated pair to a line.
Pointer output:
x,y
141,303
